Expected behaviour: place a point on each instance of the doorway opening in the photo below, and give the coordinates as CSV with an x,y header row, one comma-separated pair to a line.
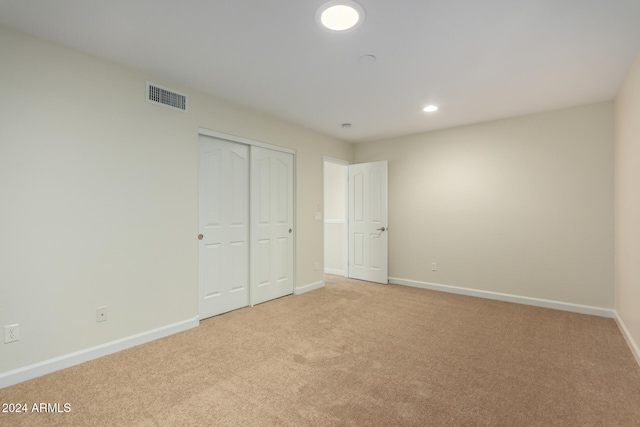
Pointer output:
x,y
356,219
335,205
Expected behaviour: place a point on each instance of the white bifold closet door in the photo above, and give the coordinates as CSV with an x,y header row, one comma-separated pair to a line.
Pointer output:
x,y
224,226
271,224
246,225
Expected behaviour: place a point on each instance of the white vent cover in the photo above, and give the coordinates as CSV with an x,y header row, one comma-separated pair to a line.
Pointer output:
x,y
166,97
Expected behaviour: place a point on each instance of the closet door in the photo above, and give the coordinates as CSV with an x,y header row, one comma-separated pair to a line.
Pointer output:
x,y
223,226
271,224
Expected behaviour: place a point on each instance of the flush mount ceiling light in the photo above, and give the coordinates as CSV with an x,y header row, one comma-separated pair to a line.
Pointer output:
x,y
430,108
340,15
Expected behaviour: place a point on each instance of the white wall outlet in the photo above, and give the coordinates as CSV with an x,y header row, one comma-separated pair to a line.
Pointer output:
x,y
316,265
11,333
101,314
434,266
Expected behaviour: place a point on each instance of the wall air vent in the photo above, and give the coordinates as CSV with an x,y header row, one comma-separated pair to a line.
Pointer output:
x,y
166,97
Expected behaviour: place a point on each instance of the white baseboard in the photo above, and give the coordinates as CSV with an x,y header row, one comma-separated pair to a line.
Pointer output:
x,y
635,350
557,305
307,288
335,272
48,366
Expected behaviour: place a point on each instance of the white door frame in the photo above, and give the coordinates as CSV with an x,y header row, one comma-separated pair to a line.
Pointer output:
x,y
247,141
251,142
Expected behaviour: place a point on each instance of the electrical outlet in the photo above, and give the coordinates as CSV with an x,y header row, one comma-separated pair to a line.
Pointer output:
x,y
316,266
11,333
101,314
434,266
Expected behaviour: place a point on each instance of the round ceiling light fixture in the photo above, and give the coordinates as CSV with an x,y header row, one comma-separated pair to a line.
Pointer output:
x,y
340,15
430,108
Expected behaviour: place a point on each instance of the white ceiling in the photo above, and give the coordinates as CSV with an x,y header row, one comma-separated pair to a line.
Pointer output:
x,y
478,60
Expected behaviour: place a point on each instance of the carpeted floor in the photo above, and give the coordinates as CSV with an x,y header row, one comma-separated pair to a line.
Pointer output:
x,y
357,354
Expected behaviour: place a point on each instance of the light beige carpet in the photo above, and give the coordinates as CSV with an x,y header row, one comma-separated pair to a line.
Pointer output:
x,y
357,354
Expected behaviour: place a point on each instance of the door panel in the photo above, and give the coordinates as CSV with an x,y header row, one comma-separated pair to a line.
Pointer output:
x,y
358,196
282,171
282,256
239,184
358,250
263,262
271,224
368,222
239,265
376,251
213,272
224,225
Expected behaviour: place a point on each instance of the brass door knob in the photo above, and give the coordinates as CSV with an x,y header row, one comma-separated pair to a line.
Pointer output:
x,y
200,237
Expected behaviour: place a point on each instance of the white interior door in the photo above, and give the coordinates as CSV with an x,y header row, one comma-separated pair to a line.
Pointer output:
x,y
271,224
224,226
368,222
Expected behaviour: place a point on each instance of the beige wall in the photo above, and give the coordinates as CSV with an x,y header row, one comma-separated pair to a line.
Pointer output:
x,y
627,204
522,206
100,194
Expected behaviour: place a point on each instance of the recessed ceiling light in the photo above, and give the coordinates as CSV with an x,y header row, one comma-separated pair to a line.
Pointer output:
x,y
340,15
430,108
